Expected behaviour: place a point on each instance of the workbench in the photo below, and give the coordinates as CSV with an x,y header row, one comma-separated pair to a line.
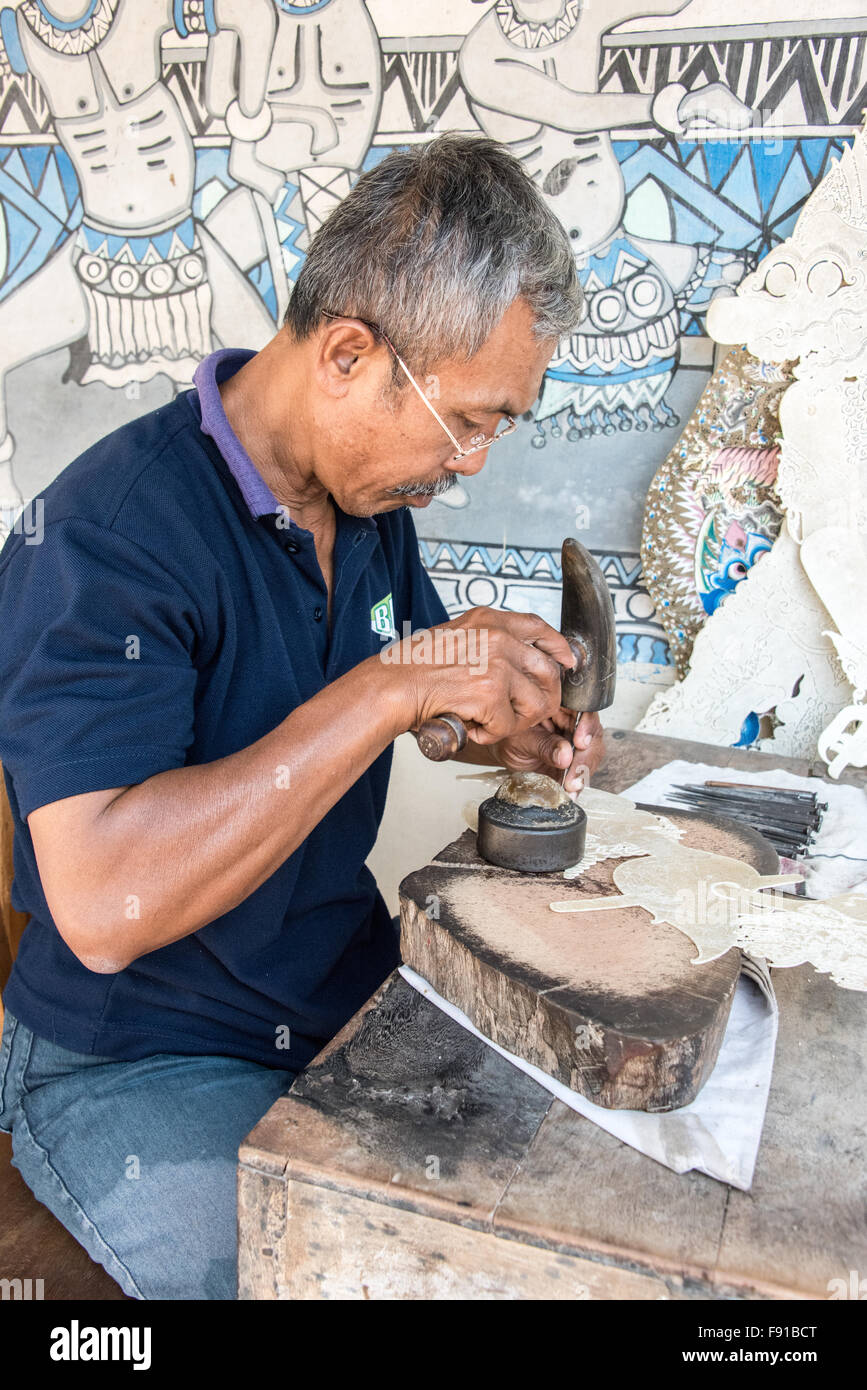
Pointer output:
x,y
410,1160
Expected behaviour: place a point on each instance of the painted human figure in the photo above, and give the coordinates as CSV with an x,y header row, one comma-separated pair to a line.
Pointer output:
x,y
323,90
141,281
530,68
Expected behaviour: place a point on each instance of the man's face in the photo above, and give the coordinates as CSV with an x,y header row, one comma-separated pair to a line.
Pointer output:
x,y
380,449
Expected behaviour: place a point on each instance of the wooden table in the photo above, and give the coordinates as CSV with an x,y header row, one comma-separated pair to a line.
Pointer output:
x,y
411,1161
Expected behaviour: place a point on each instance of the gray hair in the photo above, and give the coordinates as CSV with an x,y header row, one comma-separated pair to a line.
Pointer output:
x,y
432,246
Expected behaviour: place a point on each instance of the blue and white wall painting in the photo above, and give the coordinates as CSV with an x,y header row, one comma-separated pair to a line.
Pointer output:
x,y
163,164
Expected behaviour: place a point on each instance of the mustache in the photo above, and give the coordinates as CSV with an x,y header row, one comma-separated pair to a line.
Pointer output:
x,y
419,489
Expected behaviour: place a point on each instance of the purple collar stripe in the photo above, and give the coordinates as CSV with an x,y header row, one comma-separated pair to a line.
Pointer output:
x,y
208,375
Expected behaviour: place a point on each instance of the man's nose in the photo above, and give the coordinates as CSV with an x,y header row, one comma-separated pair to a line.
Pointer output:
x,y
471,465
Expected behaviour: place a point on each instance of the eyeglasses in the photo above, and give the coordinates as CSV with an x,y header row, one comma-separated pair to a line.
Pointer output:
x,y
478,441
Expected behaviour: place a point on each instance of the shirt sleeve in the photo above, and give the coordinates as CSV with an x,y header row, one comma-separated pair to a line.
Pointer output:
x,y
97,671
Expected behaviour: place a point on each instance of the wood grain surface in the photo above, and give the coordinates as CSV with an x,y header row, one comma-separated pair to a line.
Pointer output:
x,y
606,1002
407,1163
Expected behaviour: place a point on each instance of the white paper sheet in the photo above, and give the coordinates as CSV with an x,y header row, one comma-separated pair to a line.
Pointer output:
x,y
720,1132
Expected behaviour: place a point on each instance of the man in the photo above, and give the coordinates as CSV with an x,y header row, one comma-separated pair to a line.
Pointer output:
x,y
195,722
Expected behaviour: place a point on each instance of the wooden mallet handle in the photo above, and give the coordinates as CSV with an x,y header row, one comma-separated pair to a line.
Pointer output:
x,y
442,738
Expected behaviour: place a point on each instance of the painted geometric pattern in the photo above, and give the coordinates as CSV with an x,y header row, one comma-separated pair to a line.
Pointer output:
x,y
739,194
23,108
213,181
796,81
803,81
186,82
142,250
39,207
291,229
521,579
744,197
421,90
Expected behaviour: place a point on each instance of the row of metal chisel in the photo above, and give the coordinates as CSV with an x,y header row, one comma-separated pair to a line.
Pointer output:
x,y
788,819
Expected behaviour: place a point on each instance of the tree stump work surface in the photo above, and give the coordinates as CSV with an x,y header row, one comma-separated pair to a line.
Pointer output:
x,y
603,1001
409,1160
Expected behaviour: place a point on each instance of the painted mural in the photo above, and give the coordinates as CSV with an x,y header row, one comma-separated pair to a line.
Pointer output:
x,y
164,163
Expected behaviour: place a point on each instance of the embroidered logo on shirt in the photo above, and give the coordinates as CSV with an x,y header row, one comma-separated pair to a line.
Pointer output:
x,y
382,618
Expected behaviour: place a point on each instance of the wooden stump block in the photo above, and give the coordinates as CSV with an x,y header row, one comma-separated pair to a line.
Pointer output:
x,y
605,1002
408,1161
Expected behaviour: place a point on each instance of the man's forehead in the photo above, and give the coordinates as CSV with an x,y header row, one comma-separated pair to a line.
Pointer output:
x,y
494,395
485,406
506,376
502,398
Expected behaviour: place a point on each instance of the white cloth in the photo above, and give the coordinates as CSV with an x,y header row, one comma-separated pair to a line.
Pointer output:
x,y
836,861
720,1131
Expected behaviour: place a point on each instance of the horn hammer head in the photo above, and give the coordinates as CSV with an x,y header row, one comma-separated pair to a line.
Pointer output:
x,y
587,623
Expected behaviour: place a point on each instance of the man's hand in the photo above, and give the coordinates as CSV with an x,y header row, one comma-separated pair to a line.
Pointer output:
x,y
499,672
510,698
544,749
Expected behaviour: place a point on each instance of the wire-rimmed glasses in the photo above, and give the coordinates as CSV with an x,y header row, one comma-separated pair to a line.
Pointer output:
x,y
478,441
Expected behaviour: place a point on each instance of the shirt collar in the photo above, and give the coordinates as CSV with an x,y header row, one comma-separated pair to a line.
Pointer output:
x,y
219,366
210,372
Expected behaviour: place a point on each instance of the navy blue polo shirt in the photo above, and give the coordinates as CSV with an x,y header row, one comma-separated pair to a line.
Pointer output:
x,y
167,617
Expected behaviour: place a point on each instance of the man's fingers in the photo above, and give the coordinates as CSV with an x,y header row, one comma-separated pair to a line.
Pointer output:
x,y
538,749
537,665
529,698
554,751
587,729
563,721
556,754
526,627
525,707
582,734
585,751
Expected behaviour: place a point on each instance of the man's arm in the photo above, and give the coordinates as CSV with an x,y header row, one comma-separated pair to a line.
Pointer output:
x,y
131,869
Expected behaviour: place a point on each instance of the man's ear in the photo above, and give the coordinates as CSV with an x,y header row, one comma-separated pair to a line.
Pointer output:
x,y
344,350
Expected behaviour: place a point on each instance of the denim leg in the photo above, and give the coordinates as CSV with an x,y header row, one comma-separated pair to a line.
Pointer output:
x,y
138,1160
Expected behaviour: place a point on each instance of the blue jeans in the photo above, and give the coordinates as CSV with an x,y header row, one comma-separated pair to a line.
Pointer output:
x,y
137,1159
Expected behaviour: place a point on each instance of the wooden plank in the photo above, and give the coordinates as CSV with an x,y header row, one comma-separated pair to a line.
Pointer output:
x,y
583,1189
608,1003
349,1129
351,1161
629,756
267,1144
804,1221
344,1247
262,1234
409,1109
